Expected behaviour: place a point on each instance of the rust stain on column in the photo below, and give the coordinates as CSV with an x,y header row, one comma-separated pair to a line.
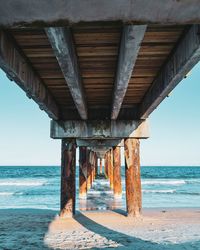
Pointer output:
x,y
106,165
117,186
110,164
96,164
68,178
133,180
82,172
89,171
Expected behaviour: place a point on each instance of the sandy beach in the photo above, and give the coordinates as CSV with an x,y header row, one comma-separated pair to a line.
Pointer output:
x,y
155,229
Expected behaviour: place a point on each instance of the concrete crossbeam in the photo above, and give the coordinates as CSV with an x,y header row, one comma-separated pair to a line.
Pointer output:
x,y
99,143
62,12
93,129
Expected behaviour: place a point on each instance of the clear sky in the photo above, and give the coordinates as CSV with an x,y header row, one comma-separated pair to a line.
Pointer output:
x,y
175,128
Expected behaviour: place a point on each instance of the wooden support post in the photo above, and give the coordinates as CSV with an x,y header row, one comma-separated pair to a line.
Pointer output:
x,y
110,167
117,186
100,165
133,181
82,172
68,178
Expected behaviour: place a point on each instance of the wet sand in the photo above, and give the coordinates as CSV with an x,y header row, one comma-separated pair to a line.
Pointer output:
x,y
155,229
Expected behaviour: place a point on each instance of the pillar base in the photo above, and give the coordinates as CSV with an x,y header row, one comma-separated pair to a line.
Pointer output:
x,y
65,215
83,196
133,215
117,196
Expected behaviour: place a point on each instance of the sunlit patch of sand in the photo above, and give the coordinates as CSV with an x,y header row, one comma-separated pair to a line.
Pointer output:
x,y
169,229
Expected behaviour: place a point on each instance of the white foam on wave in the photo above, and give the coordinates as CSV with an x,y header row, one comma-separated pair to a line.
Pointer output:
x,y
29,207
193,181
164,182
100,191
6,193
12,182
170,191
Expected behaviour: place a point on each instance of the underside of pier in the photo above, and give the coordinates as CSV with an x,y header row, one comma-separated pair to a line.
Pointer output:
x,y
99,70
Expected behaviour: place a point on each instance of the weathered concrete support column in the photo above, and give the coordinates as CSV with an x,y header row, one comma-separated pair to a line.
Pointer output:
x,y
68,178
133,180
89,171
106,165
117,185
101,166
82,172
110,167
96,166
93,167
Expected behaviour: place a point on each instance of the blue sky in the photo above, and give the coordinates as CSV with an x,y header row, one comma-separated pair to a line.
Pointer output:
x,y
175,128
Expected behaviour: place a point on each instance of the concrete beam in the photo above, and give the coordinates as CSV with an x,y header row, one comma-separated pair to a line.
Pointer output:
x,y
18,69
105,129
100,149
132,36
62,43
99,143
62,12
185,55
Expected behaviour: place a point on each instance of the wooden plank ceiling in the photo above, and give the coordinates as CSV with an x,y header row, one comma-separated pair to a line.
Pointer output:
x,y
97,47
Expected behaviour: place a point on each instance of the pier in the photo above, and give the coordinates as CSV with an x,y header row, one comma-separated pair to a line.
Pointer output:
x,y
99,69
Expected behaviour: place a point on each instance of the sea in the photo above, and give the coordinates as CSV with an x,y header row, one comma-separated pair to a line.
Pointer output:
x,y
38,187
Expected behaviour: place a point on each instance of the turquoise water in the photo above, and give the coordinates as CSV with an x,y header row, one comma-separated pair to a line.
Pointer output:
x,y
39,187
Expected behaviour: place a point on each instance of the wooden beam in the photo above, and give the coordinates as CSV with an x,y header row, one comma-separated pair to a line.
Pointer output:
x,y
104,129
62,43
68,178
18,69
133,180
183,58
132,36
62,12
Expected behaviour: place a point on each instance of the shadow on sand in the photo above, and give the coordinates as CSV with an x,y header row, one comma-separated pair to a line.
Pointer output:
x,y
126,241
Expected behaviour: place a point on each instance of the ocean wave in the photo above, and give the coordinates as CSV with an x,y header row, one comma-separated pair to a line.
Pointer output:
x,y
100,191
164,182
188,193
30,207
22,182
6,193
193,181
169,191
